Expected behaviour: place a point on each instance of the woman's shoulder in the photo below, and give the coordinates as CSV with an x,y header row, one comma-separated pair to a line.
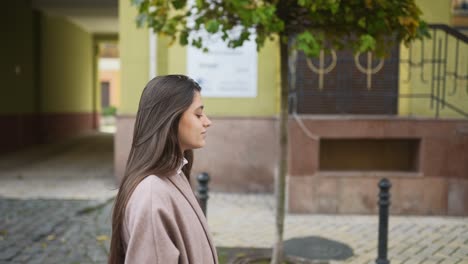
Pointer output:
x,y
152,182
152,197
150,189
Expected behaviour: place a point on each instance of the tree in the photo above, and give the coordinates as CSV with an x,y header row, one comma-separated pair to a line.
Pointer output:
x,y
314,25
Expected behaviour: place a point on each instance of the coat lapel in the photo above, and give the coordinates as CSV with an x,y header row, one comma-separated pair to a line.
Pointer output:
x,y
182,184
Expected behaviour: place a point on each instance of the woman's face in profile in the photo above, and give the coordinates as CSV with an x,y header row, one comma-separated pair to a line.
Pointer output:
x,y
193,125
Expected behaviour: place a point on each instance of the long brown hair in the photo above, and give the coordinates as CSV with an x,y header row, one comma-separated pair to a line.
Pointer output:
x,y
155,147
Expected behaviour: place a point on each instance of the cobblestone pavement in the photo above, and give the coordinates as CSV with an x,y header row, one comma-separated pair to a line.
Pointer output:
x,y
74,231
55,206
54,202
54,231
248,221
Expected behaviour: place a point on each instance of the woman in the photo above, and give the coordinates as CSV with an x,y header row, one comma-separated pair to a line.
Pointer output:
x,y
156,217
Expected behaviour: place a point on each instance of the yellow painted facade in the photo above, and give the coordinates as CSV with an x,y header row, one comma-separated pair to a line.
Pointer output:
x,y
434,12
134,62
66,67
172,60
134,47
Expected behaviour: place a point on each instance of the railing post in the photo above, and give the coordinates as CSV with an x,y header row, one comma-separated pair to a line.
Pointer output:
x,y
202,190
384,204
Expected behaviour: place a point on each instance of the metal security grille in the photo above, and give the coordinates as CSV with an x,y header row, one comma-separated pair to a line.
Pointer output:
x,y
346,84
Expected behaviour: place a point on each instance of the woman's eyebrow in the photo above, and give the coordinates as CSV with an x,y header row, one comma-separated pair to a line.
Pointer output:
x,y
201,107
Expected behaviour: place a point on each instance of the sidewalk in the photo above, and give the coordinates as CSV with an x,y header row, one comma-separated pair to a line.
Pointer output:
x,y
77,231
55,207
81,168
248,221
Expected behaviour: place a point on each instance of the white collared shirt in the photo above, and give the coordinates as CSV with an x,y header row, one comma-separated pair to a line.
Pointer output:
x,y
184,162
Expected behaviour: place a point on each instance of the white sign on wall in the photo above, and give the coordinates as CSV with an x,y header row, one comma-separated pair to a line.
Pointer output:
x,y
224,72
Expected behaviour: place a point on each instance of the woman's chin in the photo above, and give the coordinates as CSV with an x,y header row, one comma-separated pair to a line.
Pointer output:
x,y
197,146
202,144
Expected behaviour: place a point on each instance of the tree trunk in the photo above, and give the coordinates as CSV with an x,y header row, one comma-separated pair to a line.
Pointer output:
x,y
280,183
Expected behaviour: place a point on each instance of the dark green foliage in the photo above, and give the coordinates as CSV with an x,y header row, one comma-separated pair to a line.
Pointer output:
x,y
361,25
109,111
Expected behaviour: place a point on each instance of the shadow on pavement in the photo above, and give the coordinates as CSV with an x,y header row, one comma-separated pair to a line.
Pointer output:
x,y
305,250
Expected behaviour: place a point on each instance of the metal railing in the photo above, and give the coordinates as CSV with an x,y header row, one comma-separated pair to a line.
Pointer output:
x,y
447,61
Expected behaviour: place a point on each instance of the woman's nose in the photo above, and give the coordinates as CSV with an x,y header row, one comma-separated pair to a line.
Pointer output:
x,y
207,122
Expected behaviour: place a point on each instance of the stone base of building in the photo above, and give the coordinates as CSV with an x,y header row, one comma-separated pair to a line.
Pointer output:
x,y
23,130
337,169
357,193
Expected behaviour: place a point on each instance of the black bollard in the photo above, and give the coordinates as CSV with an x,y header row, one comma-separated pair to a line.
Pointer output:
x,y
202,195
384,204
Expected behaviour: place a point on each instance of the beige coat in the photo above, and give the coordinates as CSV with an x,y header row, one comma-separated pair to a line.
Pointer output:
x,y
164,224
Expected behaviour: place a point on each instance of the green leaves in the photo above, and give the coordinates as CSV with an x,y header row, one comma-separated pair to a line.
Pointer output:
x,y
307,43
179,4
198,42
200,4
423,30
362,22
304,2
334,6
183,38
361,25
366,43
212,26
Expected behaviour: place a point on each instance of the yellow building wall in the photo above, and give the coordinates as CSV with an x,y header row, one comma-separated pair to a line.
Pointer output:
x,y
267,101
264,104
404,86
434,12
134,61
172,59
66,67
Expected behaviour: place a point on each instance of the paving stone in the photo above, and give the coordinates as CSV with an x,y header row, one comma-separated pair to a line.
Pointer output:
x,y
8,253
38,259
460,253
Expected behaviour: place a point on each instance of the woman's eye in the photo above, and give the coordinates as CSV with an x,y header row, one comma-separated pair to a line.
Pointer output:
x,y
199,116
